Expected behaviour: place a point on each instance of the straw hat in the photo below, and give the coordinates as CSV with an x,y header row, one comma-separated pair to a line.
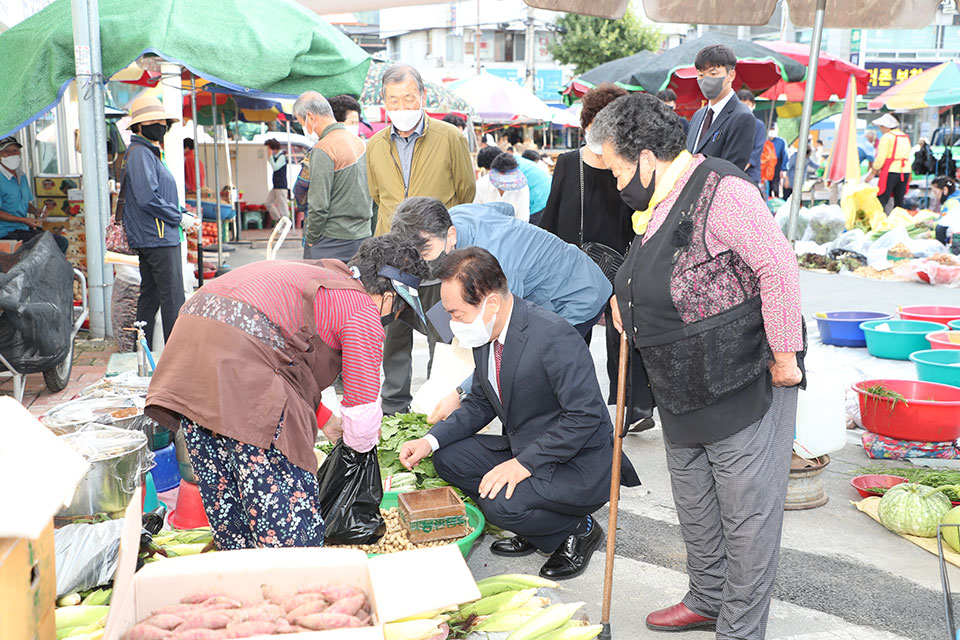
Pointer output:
x,y
886,120
145,109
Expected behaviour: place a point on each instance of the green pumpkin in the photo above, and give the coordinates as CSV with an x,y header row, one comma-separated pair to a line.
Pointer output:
x,y
952,534
913,509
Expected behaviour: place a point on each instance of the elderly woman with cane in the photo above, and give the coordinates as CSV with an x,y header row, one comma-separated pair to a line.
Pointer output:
x,y
711,300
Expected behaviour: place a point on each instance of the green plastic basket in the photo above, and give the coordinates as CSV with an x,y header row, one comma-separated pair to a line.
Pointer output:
x,y
474,518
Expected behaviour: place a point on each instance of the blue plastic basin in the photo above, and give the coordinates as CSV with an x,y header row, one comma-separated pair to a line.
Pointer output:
x,y
938,365
903,338
166,471
842,328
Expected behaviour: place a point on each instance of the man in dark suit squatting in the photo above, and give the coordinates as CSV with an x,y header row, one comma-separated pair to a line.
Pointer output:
x,y
550,470
724,127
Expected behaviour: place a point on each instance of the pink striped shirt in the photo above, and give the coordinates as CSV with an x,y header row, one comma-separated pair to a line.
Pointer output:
x,y
347,320
740,221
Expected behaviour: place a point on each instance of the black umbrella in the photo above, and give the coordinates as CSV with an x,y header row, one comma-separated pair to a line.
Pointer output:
x,y
620,72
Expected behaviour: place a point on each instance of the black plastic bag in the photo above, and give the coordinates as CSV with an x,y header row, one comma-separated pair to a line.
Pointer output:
x,y
36,305
350,495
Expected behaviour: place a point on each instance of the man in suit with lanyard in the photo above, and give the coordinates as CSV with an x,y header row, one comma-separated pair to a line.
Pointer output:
x,y
549,471
724,127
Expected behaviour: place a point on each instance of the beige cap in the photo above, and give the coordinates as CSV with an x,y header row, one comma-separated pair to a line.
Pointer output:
x,y
886,120
145,109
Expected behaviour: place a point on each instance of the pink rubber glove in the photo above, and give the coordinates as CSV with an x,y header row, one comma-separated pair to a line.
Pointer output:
x,y
361,425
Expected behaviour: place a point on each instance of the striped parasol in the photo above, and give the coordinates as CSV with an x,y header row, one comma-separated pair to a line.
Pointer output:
x,y
439,98
938,86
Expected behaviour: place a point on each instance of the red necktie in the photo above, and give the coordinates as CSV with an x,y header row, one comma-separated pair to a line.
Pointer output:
x,y
497,358
707,121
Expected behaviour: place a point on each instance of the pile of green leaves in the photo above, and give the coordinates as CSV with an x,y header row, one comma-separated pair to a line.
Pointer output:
x,y
920,475
396,430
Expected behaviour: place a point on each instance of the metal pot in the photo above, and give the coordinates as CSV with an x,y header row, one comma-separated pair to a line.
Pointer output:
x,y
117,463
183,459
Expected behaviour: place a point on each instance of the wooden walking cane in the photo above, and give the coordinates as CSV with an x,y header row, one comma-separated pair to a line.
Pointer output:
x,y
619,431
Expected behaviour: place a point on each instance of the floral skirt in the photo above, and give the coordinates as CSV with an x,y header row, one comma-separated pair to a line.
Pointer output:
x,y
253,497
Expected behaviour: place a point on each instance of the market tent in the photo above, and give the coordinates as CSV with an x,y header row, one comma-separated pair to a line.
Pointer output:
x,y
938,86
620,72
498,100
290,50
440,99
833,74
758,69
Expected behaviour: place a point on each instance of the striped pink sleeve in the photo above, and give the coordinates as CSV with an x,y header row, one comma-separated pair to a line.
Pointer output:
x,y
349,321
739,220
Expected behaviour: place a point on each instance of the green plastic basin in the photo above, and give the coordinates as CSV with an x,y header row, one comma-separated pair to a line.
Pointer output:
x,y
903,338
938,365
474,518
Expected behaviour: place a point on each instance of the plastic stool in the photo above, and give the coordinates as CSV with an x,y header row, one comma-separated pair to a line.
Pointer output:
x,y
189,513
150,500
166,473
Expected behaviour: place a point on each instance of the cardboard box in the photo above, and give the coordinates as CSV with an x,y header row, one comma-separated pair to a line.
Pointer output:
x,y
9,246
55,206
57,186
385,579
28,587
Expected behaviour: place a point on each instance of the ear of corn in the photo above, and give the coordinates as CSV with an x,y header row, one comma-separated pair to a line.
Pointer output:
x,y
505,621
69,600
499,602
519,580
69,618
546,621
411,630
98,597
579,632
437,614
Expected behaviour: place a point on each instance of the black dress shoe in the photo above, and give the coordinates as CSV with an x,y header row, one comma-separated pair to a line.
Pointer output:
x,y
572,557
515,546
642,424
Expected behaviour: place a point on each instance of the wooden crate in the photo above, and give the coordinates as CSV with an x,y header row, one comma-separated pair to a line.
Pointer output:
x,y
28,588
433,514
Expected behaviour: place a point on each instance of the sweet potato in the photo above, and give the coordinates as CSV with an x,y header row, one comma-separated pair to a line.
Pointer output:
x,y
264,612
146,632
315,588
293,602
199,634
274,595
204,620
324,621
231,603
249,628
167,621
364,618
350,606
315,606
200,597
338,592
176,609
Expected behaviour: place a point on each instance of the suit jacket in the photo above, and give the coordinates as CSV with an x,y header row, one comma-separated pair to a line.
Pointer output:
x,y
555,421
731,134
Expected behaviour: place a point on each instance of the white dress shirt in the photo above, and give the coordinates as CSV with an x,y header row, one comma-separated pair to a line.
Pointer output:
x,y
716,108
491,370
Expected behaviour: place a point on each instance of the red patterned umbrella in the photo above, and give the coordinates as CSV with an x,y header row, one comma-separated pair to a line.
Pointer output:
x,y
833,74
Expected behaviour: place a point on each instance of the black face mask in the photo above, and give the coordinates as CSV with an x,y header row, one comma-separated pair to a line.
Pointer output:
x,y
394,311
153,131
636,195
433,264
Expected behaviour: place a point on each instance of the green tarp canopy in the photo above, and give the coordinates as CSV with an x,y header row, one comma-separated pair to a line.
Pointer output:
x,y
265,48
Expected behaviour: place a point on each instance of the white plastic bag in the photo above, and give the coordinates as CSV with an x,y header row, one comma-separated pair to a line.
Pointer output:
x,y
825,224
783,218
451,366
854,240
877,254
86,555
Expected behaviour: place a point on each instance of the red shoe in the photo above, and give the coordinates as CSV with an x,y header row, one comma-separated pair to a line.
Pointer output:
x,y
678,618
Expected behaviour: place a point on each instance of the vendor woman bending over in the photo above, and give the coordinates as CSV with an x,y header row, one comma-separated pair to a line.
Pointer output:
x,y
243,372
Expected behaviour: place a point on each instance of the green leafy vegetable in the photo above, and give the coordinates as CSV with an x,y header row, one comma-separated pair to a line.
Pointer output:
x,y
919,475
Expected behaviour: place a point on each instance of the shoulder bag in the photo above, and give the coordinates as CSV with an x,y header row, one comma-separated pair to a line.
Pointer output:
x,y
116,236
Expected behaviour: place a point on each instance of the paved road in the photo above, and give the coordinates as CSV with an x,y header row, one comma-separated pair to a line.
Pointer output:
x,y
841,575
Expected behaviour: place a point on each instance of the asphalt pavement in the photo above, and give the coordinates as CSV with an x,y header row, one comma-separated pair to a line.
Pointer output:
x,y
841,575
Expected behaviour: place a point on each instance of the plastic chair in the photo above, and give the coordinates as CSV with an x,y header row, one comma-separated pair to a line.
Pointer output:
x,y
278,236
254,217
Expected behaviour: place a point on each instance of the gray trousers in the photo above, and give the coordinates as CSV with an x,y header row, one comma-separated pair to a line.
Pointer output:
x,y
730,496
332,248
398,356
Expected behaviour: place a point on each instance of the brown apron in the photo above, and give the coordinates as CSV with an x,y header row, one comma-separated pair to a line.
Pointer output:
x,y
235,385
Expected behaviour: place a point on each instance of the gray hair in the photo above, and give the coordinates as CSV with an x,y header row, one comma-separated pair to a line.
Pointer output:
x,y
400,72
312,102
636,122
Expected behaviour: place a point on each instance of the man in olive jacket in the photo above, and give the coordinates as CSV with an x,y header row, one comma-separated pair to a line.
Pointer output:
x,y
416,156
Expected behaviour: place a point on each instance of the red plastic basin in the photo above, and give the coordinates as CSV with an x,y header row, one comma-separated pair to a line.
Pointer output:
x,y
864,483
941,340
930,412
930,313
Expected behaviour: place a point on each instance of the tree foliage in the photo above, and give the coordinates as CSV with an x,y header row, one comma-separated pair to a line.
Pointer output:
x,y
589,41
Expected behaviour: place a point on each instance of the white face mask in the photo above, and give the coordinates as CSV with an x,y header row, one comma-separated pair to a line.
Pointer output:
x,y
11,162
405,119
353,128
474,334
